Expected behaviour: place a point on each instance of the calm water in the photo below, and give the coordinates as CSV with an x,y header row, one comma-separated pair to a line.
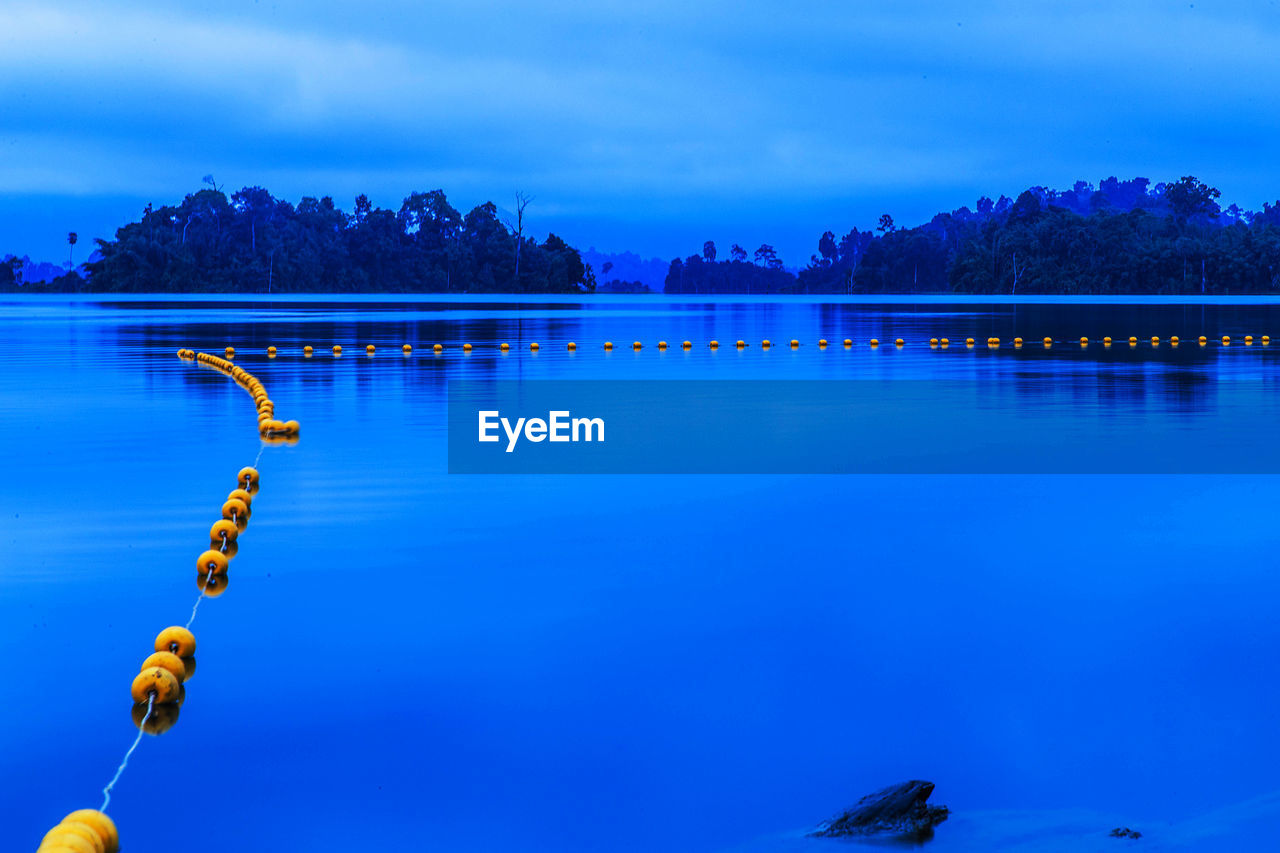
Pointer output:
x,y
411,660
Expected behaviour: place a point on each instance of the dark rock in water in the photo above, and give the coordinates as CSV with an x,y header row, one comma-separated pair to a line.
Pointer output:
x,y
897,810
1125,832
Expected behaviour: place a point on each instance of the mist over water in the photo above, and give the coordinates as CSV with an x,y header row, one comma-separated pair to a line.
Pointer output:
x,y
707,663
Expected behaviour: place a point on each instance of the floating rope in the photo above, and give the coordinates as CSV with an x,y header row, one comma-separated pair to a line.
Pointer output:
x,y
106,792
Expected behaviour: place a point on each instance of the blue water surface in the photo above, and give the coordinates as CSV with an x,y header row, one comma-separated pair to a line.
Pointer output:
x,y
407,659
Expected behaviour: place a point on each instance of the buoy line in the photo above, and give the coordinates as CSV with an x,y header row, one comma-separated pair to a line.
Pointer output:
x,y
159,688
535,347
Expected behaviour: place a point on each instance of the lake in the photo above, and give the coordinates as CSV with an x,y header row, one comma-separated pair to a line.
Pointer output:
x,y
411,659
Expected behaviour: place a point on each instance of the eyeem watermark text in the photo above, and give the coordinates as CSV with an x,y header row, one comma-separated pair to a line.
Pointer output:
x,y
558,426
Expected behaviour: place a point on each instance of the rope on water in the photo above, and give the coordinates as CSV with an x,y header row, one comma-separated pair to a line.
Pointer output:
x,y
208,579
106,792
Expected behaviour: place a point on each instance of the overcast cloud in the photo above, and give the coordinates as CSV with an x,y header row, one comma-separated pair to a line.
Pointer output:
x,y
649,126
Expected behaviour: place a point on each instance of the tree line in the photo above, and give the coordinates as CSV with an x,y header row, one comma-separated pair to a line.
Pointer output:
x,y
252,242
1121,237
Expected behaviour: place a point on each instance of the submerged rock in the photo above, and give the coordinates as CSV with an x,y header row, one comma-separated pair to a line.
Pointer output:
x,y
897,810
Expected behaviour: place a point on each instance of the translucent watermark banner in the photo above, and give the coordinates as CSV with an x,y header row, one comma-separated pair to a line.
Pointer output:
x,y
1055,426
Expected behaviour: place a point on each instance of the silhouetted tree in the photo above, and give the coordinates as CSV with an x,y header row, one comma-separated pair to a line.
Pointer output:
x,y
254,242
1189,197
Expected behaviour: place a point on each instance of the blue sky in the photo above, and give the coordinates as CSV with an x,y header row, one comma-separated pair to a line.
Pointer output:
x,y
645,126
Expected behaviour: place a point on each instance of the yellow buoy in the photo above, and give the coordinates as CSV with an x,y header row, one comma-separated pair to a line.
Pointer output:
x,y
1048,342
155,681
662,344
533,347
1248,339
242,495
1265,340
247,479
160,720
236,511
504,347
875,343
1226,340
370,349
968,341
188,668
1017,342
1203,340
741,344
440,347
212,562
407,348
230,351
178,640
636,345
1155,340
100,824
465,347
572,345
308,349
337,349
1084,342
944,341
271,350
714,345
766,343
212,586
848,342
608,344
687,345
223,530
794,343
822,342
899,342
1174,340
933,342
169,661
71,838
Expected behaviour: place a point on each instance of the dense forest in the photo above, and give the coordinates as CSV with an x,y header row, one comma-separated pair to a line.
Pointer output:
x,y
253,242
1118,238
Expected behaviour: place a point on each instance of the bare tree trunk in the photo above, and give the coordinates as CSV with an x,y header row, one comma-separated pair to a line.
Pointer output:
x,y
522,201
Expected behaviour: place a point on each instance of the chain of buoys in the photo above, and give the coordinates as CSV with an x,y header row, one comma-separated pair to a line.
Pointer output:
x,y
82,831
159,688
269,427
279,429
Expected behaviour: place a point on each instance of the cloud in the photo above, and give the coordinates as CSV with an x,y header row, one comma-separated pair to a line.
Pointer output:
x,y
620,114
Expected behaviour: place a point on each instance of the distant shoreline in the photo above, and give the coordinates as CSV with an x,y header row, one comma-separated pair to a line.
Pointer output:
x,y
716,298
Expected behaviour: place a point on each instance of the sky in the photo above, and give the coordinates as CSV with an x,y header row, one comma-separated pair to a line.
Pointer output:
x,y
648,127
